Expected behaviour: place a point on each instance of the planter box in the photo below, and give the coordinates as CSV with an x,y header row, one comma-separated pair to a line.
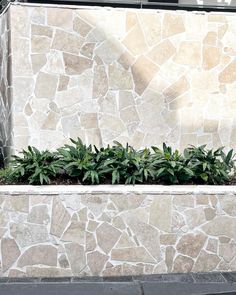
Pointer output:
x,y
54,231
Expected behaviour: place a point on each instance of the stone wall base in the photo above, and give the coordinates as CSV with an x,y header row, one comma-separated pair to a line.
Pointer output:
x,y
116,230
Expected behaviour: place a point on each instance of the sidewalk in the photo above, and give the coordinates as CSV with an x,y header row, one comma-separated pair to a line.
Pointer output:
x,y
180,284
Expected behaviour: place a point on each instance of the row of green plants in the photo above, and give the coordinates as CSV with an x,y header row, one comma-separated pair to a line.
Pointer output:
x,y
120,164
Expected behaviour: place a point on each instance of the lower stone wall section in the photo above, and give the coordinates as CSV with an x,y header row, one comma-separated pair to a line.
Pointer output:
x,y
85,232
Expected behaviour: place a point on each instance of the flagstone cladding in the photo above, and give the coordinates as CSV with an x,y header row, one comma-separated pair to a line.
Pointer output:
x,y
116,230
138,76
5,88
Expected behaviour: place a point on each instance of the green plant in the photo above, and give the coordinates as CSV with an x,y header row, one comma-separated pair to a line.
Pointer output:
x,y
79,162
120,164
209,166
170,166
34,166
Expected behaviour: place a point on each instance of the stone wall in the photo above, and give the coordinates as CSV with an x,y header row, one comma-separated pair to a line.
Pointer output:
x,y
137,76
5,90
114,231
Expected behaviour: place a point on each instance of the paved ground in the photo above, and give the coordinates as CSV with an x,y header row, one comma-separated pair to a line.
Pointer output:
x,y
217,283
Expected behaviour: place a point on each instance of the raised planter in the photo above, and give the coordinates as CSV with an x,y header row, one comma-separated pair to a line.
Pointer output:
x,y
116,230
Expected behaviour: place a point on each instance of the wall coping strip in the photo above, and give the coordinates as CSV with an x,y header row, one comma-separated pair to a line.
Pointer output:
x,y
117,189
112,8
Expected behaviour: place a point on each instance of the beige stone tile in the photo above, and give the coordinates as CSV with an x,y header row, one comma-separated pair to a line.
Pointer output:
x,y
40,44
67,42
81,26
64,21
162,52
41,91
143,72
172,24
211,57
189,54
41,30
38,61
135,41
76,65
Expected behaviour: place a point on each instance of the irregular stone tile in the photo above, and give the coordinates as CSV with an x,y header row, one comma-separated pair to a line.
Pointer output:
x,y
63,261
183,200
119,79
89,120
21,63
40,254
113,271
15,273
160,268
212,245
228,75
96,262
194,217
41,30
75,233
135,41
40,44
126,60
221,225
76,65
132,270
125,241
55,64
49,272
168,239
143,72
177,223
210,213
210,39
39,215
63,83
227,251
228,204
29,234
83,214
10,253
100,82
162,52
183,264
189,54
67,42
95,203
91,242
129,115
118,223
172,24
206,262
107,236
134,254
147,235
191,244
160,213
211,57
127,202
76,256
51,121
109,51
131,20
87,50
38,61
17,203
112,126
169,257
176,89
64,21
92,225
46,79
81,26
151,26
60,218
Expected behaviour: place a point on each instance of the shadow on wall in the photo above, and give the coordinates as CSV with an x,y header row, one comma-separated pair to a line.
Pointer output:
x,y
5,90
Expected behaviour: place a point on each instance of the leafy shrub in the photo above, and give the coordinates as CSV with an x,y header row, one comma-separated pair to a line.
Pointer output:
x,y
34,167
120,164
208,166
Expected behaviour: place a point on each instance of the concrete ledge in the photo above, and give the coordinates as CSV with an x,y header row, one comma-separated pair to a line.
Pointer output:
x,y
82,231
119,189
